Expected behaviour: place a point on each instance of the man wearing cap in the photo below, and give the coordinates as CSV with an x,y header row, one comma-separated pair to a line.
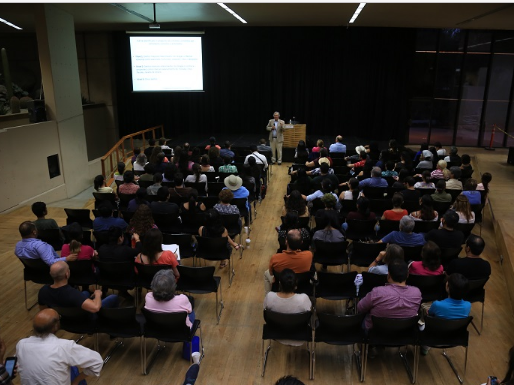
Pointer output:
x,y
426,161
276,136
338,146
235,184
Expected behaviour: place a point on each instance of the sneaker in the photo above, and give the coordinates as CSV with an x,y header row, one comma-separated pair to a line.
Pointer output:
x,y
196,357
279,163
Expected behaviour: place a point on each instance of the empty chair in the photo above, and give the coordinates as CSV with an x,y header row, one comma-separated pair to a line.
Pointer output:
x,y
476,293
336,286
330,253
466,228
363,254
78,321
82,273
215,249
342,330
291,327
425,226
116,275
442,333
214,188
201,280
82,216
360,229
145,274
52,237
168,327
101,197
412,253
37,271
375,192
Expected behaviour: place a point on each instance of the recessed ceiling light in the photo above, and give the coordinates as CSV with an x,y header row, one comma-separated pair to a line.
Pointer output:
x,y
10,24
232,12
359,9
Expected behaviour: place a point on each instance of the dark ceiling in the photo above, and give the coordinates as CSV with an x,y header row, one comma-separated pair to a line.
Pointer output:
x,y
135,16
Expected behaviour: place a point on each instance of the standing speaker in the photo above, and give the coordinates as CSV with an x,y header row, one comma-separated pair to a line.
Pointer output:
x,y
37,111
510,158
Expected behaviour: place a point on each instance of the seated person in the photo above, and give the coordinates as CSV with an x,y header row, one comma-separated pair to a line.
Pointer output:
x,y
446,237
212,143
396,213
376,179
152,253
115,250
467,170
139,164
363,156
163,299
353,192
179,191
262,146
157,184
128,186
84,252
389,169
463,209
326,188
100,186
324,173
393,300
235,184
149,173
290,222
294,202
472,266
286,300
453,157
453,307
426,161
440,194
205,164
338,146
214,157
140,199
330,231
430,263
405,237
226,151
162,206
227,166
302,183
137,151
362,212
453,183
323,158
61,294
42,223
381,263
427,212
441,172
118,175
197,176
410,194
106,220
470,192
224,206
425,175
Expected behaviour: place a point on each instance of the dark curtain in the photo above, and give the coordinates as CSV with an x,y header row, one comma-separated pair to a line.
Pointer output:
x,y
352,82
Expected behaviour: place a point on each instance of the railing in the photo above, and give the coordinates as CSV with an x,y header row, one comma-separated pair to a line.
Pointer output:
x,y
118,153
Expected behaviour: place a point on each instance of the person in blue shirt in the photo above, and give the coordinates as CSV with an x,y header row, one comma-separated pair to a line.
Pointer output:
x,y
471,193
338,146
227,151
235,184
376,179
105,220
405,237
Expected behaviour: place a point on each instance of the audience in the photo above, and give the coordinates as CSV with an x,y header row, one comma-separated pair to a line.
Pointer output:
x,y
472,266
128,186
157,184
99,185
162,206
396,213
430,263
405,237
440,194
106,220
410,194
453,158
116,250
363,213
227,167
471,192
376,179
152,253
426,161
118,175
140,163
454,183
140,199
426,212
463,209
75,234
467,170
42,223
381,263
425,175
441,172
295,203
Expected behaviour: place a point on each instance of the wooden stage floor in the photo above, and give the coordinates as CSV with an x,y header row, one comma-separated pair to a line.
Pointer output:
x,y
233,348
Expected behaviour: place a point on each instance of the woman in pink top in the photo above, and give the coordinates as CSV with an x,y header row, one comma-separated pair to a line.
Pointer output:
x,y
162,298
84,252
430,263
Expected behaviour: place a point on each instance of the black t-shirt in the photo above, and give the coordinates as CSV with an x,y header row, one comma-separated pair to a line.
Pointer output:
x,y
471,268
118,253
446,239
64,296
164,208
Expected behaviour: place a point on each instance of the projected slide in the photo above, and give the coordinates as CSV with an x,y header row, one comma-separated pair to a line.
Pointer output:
x,y
166,63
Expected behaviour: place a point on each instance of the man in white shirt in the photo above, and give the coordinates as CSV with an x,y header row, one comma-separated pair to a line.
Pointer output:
x,y
338,146
45,359
259,158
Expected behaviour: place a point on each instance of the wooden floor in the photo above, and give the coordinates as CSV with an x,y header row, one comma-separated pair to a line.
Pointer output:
x,y
233,348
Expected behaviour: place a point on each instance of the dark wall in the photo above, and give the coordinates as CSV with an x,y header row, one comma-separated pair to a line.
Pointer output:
x,y
336,80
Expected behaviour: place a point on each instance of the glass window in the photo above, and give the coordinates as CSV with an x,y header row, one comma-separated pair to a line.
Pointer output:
x,y
503,42
452,40
468,125
475,77
419,126
443,121
501,77
423,75
448,76
495,114
426,40
479,41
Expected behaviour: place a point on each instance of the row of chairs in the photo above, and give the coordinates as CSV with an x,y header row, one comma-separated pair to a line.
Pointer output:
x,y
125,323
315,327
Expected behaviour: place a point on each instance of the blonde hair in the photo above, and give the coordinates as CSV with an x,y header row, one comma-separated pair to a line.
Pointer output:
x,y
461,205
319,143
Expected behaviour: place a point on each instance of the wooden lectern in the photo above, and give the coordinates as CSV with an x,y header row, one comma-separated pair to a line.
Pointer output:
x,y
292,134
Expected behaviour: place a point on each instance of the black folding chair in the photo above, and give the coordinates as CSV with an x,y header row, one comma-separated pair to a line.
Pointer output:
x,y
330,253
82,216
52,237
215,249
37,271
432,287
78,321
476,293
363,254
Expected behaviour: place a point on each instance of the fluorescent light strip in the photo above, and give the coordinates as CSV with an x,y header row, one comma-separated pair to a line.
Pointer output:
x,y
232,12
359,9
10,24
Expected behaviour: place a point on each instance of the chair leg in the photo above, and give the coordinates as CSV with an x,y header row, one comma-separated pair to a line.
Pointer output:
x,y
231,272
452,366
364,362
265,356
117,345
26,304
218,315
313,356
416,362
481,321
141,354
144,355
403,356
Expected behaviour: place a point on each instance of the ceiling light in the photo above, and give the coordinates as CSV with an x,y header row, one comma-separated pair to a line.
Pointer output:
x,y
359,9
10,24
232,12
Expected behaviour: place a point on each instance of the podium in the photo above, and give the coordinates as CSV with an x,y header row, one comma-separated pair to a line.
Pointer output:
x,y
292,134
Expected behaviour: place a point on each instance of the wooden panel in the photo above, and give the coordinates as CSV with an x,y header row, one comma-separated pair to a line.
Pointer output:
x,y
293,135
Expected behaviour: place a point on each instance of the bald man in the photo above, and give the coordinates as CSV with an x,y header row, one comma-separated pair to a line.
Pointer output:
x,y
45,359
32,248
338,146
60,294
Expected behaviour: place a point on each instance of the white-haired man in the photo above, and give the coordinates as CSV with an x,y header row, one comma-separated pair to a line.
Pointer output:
x,y
276,137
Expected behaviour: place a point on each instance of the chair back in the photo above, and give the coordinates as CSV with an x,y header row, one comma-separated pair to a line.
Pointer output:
x,y
370,281
209,201
445,333
198,186
116,274
387,226
36,270
76,320
232,223
330,253
375,192
214,188
348,205
425,226
197,279
378,206
52,237
167,222
287,321
363,253
359,229
466,228
425,191
449,254
412,253
394,331
145,273
125,199
431,286
184,241
82,273
102,238
476,292
441,207
411,206
169,327
214,249
82,216
102,197
336,286
340,329
119,322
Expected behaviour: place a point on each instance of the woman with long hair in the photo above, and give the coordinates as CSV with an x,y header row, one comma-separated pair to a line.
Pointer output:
x,y
214,228
152,253
153,157
425,175
463,209
139,164
484,185
381,263
182,161
363,212
214,156
430,263
99,185
396,213
205,164
352,194
301,153
426,212
141,222
75,234
295,203
197,176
